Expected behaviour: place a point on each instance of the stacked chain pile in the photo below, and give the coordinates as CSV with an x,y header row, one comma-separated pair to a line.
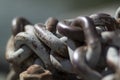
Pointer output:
x,y
83,48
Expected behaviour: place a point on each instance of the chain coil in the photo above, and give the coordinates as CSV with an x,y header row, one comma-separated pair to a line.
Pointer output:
x,y
86,47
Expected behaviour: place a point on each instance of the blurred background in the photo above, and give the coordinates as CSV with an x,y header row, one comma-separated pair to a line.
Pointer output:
x,y
39,10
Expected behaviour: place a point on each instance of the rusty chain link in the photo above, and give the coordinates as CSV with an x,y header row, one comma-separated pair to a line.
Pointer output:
x,y
83,48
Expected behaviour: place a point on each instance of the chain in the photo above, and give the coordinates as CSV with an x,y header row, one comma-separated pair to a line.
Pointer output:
x,y
86,47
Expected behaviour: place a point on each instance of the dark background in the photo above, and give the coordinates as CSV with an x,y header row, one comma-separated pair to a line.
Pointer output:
x,y
39,10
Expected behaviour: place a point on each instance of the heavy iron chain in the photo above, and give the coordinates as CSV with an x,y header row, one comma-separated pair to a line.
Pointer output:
x,y
83,48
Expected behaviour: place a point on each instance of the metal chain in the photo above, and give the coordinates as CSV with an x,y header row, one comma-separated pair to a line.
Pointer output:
x,y
86,47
